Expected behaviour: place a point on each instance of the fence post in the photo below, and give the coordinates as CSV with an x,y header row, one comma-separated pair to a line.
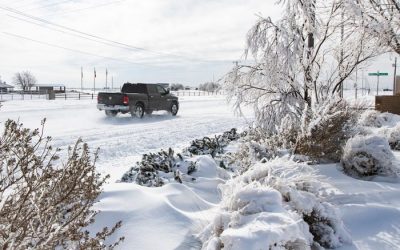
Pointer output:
x,y
65,94
92,96
79,96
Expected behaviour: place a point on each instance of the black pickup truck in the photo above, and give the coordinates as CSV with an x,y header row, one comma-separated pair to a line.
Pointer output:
x,y
137,99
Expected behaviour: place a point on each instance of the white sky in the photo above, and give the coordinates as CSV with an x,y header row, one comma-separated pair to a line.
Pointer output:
x,y
204,38
186,41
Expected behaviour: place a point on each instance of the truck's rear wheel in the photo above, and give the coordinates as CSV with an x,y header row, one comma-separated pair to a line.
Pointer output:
x,y
138,111
174,109
111,113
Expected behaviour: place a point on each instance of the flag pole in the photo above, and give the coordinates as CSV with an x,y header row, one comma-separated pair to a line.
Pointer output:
x,y
81,79
94,82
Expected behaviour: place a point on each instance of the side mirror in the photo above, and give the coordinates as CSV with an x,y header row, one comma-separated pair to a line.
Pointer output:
x,y
167,92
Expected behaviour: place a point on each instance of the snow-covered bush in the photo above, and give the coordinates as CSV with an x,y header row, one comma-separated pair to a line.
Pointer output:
x,y
325,130
368,156
393,136
275,205
45,203
373,118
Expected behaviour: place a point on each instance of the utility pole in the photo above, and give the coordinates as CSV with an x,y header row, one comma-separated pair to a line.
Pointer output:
x,y
377,84
94,82
362,82
112,82
106,77
394,75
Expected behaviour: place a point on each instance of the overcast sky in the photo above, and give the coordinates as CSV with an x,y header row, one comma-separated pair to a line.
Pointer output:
x,y
174,41
184,41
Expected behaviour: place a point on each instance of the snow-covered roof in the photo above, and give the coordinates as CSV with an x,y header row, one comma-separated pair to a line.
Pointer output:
x,y
5,85
49,85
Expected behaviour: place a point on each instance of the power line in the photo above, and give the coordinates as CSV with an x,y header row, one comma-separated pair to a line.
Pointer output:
x,y
119,44
63,13
77,51
48,5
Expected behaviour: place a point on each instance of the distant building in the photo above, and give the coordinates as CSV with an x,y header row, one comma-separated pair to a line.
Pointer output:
x,y
5,88
46,88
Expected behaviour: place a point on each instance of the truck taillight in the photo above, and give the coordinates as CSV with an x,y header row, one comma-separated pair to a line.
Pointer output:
x,y
98,98
126,100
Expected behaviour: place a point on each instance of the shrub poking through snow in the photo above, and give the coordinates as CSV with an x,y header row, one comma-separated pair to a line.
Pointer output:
x,y
373,118
154,168
366,156
275,205
213,146
325,130
44,205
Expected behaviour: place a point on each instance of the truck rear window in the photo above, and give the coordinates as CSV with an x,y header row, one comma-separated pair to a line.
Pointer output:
x,y
133,88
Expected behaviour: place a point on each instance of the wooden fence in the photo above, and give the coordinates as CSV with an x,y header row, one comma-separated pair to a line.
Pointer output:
x,y
389,104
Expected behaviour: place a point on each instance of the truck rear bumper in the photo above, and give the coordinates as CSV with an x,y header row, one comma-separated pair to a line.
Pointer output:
x,y
112,107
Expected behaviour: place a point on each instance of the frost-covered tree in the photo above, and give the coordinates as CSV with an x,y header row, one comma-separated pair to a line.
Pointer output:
x,y
25,79
379,17
46,203
209,86
176,86
300,60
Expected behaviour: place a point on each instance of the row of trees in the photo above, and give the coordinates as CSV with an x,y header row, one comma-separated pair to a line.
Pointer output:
x,y
304,58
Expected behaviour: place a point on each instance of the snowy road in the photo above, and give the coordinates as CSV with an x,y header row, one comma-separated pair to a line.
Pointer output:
x,y
122,139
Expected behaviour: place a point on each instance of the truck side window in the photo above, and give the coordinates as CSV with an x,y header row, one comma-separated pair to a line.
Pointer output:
x,y
152,89
161,90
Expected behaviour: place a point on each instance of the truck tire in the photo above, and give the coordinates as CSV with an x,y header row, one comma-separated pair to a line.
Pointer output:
x,y
174,108
111,113
138,111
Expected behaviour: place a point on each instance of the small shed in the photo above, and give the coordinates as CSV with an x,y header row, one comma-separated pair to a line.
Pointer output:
x,y
46,88
5,88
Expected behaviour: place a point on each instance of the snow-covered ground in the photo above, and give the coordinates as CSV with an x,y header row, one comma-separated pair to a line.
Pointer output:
x,y
167,217
122,139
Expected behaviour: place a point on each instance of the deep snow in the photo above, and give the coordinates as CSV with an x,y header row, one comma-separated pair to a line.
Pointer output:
x,y
167,217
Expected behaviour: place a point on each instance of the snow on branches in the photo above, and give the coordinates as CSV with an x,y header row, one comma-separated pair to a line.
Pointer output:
x,y
301,59
45,203
381,18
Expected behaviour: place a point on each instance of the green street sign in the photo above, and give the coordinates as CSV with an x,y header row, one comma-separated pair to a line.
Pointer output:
x,y
378,74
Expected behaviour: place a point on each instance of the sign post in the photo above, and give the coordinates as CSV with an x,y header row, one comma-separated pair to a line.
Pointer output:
x,y
377,74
